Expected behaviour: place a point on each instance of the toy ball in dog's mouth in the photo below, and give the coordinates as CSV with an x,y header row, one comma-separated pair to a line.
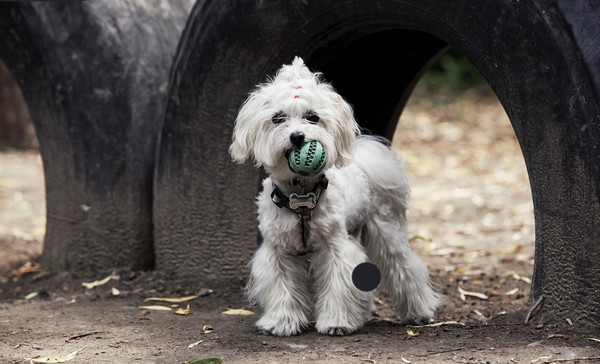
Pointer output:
x,y
309,159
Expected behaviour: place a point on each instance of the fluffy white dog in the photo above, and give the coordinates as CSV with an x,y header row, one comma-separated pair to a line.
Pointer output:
x,y
358,216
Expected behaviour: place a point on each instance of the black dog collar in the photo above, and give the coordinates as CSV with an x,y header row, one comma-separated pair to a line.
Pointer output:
x,y
302,205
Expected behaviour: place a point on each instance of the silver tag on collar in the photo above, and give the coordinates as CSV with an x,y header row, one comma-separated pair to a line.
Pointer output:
x,y
309,200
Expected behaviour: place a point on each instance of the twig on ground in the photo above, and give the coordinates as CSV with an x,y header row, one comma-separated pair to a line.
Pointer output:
x,y
439,352
539,301
77,336
584,358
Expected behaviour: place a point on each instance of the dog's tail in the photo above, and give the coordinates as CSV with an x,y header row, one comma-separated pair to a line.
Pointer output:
x,y
384,170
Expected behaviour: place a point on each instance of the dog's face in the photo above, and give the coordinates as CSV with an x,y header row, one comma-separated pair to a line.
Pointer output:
x,y
294,108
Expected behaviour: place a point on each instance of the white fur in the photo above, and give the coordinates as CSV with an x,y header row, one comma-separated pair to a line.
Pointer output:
x,y
360,216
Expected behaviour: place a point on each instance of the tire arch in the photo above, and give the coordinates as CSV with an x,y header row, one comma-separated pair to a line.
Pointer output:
x,y
95,91
527,50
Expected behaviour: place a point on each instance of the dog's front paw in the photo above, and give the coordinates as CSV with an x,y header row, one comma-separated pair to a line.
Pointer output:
x,y
281,325
334,329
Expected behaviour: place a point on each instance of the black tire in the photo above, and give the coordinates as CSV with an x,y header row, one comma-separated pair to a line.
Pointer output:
x,y
540,57
96,91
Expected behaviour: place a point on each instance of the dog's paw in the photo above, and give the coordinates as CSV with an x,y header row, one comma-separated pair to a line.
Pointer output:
x,y
280,326
416,320
336,331
420,315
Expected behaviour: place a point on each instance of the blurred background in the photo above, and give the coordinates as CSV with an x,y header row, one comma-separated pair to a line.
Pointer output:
x,y
471,213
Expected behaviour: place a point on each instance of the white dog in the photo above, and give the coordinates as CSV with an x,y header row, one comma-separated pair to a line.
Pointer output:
x,y
358,216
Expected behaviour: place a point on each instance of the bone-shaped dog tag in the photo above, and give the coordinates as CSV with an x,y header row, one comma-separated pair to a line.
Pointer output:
x,y
309,200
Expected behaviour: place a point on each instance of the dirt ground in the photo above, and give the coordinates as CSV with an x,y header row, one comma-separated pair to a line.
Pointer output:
x,y
472,222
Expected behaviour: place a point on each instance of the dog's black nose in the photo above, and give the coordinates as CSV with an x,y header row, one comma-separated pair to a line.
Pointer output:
x,y
297,138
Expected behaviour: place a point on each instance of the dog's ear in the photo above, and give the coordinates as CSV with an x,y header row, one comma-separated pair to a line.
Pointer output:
x,y
345,129
244,132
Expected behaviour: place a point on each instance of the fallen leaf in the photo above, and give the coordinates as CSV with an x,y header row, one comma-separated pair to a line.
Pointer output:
x,y
369,361
155,308
405,360
207,361
19,345
552,336
31,295
205,292
514,249
478,313
94,284
194,344
171,300
238,312
518,277
207,329
54,358
183,311
512,291
411,333
114,292
26,268
493,292
592,339
141,315
39,275
464,293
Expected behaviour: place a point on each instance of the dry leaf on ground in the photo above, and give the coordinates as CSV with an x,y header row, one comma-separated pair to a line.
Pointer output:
x,y
241,312
26,268
114,292
90,285
194,344
464,293
156,308
412,333
171,300
54,358
142,315
183,311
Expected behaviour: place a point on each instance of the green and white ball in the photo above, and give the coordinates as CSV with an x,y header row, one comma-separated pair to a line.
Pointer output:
x,y
308,160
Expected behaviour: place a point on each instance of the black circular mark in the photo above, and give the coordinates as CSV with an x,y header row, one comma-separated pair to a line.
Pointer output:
x,y
366,276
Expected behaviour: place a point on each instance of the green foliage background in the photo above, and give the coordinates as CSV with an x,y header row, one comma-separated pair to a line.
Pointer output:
x,y
455,72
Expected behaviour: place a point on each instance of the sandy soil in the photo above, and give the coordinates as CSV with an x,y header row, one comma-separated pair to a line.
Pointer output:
x,y
471,218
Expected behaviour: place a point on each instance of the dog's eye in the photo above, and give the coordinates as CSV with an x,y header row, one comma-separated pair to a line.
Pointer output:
x,y
312,117
279,118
